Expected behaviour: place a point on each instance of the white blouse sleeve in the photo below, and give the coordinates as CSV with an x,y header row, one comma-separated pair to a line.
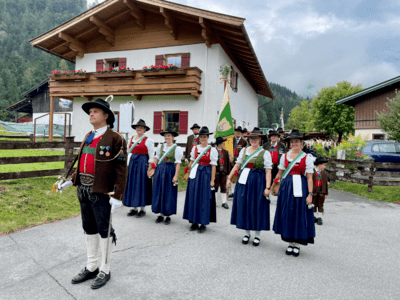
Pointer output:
x,y
267,160
150,149
178,155
309,165
214,157
282,163
158,152
192,153
240,157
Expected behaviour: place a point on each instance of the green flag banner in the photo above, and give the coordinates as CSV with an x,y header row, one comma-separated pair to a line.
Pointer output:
x,y
225,125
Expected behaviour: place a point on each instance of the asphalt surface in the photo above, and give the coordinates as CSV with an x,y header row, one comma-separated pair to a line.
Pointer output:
x,y
355,256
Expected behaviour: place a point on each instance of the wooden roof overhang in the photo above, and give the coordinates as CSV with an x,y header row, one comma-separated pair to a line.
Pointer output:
x,y
69,40
23,106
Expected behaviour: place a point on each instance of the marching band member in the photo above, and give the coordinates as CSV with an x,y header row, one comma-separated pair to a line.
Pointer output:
x,y
165,167
138,188
200,207
276,149
192,140
101,172
250,209
293,220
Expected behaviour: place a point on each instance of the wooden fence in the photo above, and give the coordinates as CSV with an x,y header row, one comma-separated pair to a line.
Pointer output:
x,y
358,168
67,158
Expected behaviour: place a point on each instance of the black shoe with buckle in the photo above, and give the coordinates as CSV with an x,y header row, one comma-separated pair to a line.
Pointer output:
x,y
319,221
225,205
132,213
201,229
231,195
159,219
256,241
167,220
289,250
194,227
84,275
141,213
245,240
296,251
100,280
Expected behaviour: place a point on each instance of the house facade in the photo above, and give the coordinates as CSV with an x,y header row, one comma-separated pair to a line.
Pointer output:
x,y
134,34
367,103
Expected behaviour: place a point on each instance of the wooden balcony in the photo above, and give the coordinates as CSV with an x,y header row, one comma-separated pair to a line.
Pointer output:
x,y
137,84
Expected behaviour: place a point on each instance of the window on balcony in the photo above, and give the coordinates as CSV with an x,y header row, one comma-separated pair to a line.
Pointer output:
x,y
175,59
176,119
182,60
112,63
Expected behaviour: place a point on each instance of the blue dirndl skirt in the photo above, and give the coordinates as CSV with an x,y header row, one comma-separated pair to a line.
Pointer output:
x,y
138,184
165,195
199,203
293,220
250,210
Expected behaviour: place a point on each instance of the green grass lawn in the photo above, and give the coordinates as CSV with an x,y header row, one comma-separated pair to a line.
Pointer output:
x,y
379,193
30,201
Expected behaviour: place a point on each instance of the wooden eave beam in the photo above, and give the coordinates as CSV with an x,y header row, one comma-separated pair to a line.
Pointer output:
x,y
231,40
74,44
170,22
136,12
205,32
104,29
226,29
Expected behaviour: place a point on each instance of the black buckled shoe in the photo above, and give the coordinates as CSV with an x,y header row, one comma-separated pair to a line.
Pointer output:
x,y
201,229
319,221
194,227
256,241
289,250
141,213
167,220
296,251
159,219
132,212
315,219
225,205
100,280
245,240
84,275
231,195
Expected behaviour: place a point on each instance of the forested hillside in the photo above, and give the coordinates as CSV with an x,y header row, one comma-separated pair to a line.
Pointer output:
x,y
21,65
284,98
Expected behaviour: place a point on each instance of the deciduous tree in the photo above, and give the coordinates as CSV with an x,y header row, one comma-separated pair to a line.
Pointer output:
x,y
389,120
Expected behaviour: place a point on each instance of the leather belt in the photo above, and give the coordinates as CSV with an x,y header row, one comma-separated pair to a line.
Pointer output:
x,y
86,179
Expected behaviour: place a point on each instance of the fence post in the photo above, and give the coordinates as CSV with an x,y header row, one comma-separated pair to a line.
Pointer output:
x,y
69,149
371,176
31,139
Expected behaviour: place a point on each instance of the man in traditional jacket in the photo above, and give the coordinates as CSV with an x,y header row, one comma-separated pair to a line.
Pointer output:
x,y
100,177
239,143
222,171
276,149
192,140
320,192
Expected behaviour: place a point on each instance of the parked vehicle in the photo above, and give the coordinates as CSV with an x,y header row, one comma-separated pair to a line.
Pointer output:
x,y
383,151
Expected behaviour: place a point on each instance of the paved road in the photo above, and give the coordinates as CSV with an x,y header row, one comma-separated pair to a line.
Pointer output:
x,y
356,256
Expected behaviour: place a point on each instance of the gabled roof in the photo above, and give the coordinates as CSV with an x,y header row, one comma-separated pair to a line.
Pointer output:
x,y
354,98
69,39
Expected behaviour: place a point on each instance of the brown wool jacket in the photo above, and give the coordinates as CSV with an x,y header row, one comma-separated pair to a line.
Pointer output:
x,y
324,179
189,143
227,164
110,173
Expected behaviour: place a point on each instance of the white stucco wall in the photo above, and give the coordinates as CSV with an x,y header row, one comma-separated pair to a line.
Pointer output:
x,y
367,133
203,111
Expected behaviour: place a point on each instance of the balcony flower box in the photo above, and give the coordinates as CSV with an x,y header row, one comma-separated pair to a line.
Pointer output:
x,y
106,75
70,77
162,73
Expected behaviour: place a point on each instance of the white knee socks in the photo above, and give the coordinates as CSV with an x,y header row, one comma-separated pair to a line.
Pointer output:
x,y
92,247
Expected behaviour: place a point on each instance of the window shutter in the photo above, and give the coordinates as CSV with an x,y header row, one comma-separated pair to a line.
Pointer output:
x,y
99,64
157,122
122,62
185,60
159,60
183,122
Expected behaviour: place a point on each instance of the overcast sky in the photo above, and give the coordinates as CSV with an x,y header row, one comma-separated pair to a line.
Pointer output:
x,y
309,44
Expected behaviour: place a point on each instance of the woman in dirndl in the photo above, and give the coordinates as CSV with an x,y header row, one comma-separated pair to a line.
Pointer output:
x,y
165,168
294,216
138,185
200,207
250,210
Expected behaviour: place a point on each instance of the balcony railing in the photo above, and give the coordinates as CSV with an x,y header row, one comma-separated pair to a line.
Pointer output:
x,y
186,81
